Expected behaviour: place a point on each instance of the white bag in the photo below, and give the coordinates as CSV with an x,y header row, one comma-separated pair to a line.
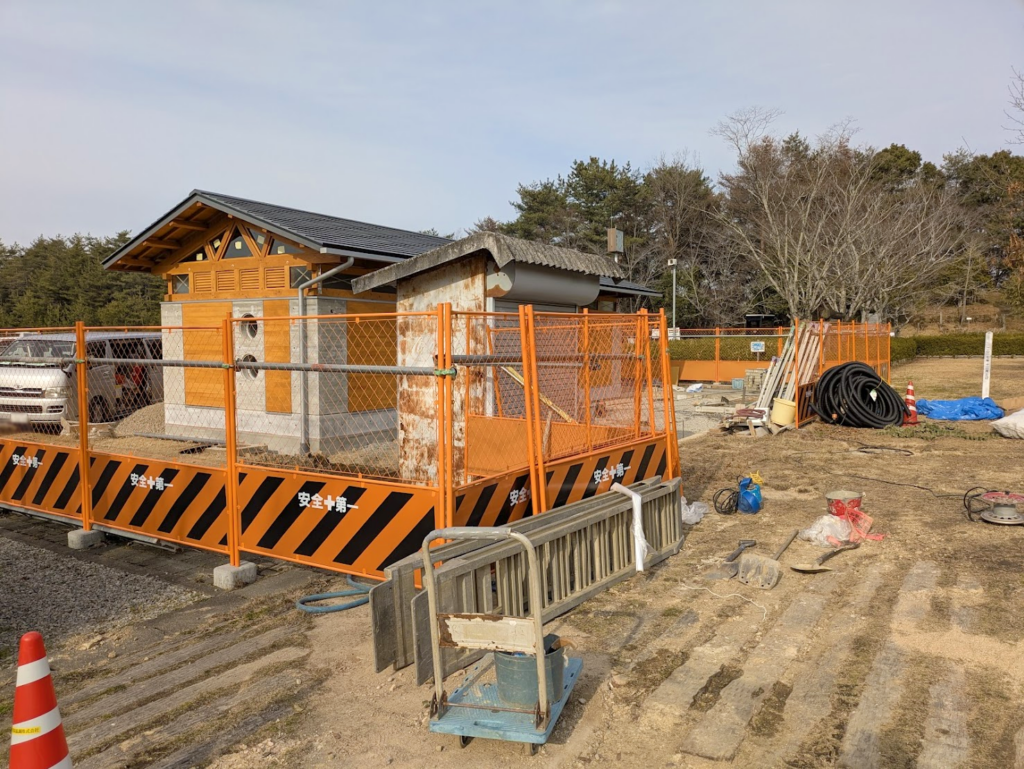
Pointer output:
x,y
825,527
1011,426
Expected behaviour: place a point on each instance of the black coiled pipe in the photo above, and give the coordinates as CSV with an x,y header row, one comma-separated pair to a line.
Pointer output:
x,y
853,395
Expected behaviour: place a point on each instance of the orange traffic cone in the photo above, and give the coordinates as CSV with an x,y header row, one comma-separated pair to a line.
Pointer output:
x,y
910,418
37,734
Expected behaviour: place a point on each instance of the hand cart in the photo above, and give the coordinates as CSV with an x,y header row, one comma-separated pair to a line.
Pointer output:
x,y
475,708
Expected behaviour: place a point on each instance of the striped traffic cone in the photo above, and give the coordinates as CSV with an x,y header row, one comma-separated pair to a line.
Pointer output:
x,y
37,735
910,415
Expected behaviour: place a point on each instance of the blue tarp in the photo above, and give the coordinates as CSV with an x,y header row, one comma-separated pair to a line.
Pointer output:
x,y
961,409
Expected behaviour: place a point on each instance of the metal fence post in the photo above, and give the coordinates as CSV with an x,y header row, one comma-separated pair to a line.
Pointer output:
x,y
82,372
231,444
796,371
441,411
668,396
718,354
449,420
586,378
533,429
645,324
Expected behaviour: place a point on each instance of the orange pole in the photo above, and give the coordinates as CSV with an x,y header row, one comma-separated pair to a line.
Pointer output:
x,y
440,411
718,354
538,433
82,372
668,397
821,347
637,376
888,352
449,364
778,341
646,323
531,443
231,445
586,377
796,370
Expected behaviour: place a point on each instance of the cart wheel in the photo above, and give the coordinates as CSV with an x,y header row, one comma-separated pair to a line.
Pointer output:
x,y
530,748
464,741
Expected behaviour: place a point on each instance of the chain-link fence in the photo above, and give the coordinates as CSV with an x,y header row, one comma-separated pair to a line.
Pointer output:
x,y
264,432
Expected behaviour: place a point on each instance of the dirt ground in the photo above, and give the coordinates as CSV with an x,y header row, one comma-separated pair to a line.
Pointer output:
x,y
909,653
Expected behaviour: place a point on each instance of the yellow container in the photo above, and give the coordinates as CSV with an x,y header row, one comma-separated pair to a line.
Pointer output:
x,y
783,412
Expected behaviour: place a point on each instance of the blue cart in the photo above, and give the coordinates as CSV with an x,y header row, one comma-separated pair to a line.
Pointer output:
x,y
475,707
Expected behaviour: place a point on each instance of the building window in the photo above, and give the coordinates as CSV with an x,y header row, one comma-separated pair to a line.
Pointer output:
x,y
237,247
252,373
259,238
251,327
179,284
300,275
282,247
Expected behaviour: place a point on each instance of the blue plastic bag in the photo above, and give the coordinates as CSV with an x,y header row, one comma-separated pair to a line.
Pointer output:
x,y
750,497
962,409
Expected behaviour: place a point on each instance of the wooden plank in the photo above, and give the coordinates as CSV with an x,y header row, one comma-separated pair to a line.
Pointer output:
x,y
277,348
170,245
183,224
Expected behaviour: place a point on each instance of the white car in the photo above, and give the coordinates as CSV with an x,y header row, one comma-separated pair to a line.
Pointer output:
x,y
38,383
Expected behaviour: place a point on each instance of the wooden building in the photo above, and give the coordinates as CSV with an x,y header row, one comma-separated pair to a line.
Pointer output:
x,y
222,255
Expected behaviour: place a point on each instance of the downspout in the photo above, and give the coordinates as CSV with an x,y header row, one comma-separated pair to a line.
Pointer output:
x,y
303,380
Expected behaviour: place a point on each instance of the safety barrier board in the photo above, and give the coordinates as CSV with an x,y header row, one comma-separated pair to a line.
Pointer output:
x,y
39,477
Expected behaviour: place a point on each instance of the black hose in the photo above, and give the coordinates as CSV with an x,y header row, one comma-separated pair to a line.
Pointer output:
x,y
726,501
853,395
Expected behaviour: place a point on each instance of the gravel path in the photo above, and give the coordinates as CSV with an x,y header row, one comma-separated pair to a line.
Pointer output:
x,y
62,595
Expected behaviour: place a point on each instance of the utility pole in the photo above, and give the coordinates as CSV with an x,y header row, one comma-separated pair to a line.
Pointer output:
x,y
672,264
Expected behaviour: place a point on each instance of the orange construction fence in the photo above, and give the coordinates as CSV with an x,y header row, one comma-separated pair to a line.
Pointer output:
x,y
334,441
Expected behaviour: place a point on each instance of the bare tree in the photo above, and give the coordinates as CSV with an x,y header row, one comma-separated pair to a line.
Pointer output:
x,y
825,232
1016,111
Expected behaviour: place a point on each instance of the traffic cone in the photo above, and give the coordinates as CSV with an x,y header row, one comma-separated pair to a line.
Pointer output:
x,y
910,417
37,734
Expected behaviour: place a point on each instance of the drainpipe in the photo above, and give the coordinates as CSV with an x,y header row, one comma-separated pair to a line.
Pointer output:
x,y
303,380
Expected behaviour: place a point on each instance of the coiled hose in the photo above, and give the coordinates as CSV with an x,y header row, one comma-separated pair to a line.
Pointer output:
x,y
853,395
358,589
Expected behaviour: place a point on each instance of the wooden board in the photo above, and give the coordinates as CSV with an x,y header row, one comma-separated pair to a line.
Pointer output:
x,y
204,387
277,348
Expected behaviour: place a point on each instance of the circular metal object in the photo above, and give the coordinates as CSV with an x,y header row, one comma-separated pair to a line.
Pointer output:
x,y
1005,514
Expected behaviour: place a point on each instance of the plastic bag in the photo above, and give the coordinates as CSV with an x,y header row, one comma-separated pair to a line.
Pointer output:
x,y
692,514
695,388
828,531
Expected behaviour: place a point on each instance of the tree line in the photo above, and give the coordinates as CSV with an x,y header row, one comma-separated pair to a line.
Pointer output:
x,y
801,226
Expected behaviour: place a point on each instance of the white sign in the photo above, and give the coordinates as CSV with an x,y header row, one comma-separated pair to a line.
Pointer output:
x,y
757,346
315,501
142,482
23,461
518,495
610,473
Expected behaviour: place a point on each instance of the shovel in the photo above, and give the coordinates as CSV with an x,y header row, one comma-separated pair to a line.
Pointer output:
x,y
761,571
729,566
814,568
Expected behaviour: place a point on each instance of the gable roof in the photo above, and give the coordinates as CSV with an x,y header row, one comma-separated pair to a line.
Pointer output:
x,y
503,249
320,232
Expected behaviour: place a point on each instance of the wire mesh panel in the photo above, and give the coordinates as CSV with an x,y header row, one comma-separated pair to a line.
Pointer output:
x,y
490,431
39,456
341,394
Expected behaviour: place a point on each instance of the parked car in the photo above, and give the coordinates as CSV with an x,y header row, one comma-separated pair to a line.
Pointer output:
x,y
38,384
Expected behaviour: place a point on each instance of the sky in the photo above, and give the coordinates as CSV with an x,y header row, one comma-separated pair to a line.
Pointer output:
x,y
429,114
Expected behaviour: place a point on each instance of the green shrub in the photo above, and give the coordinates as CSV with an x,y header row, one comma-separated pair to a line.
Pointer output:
x,y
969,344
737,348
902,349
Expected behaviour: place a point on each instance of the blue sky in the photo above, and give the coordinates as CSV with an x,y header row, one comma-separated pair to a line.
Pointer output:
x,y
422,115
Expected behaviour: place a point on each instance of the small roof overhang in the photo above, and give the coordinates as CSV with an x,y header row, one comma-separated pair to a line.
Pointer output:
x,y
503,249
